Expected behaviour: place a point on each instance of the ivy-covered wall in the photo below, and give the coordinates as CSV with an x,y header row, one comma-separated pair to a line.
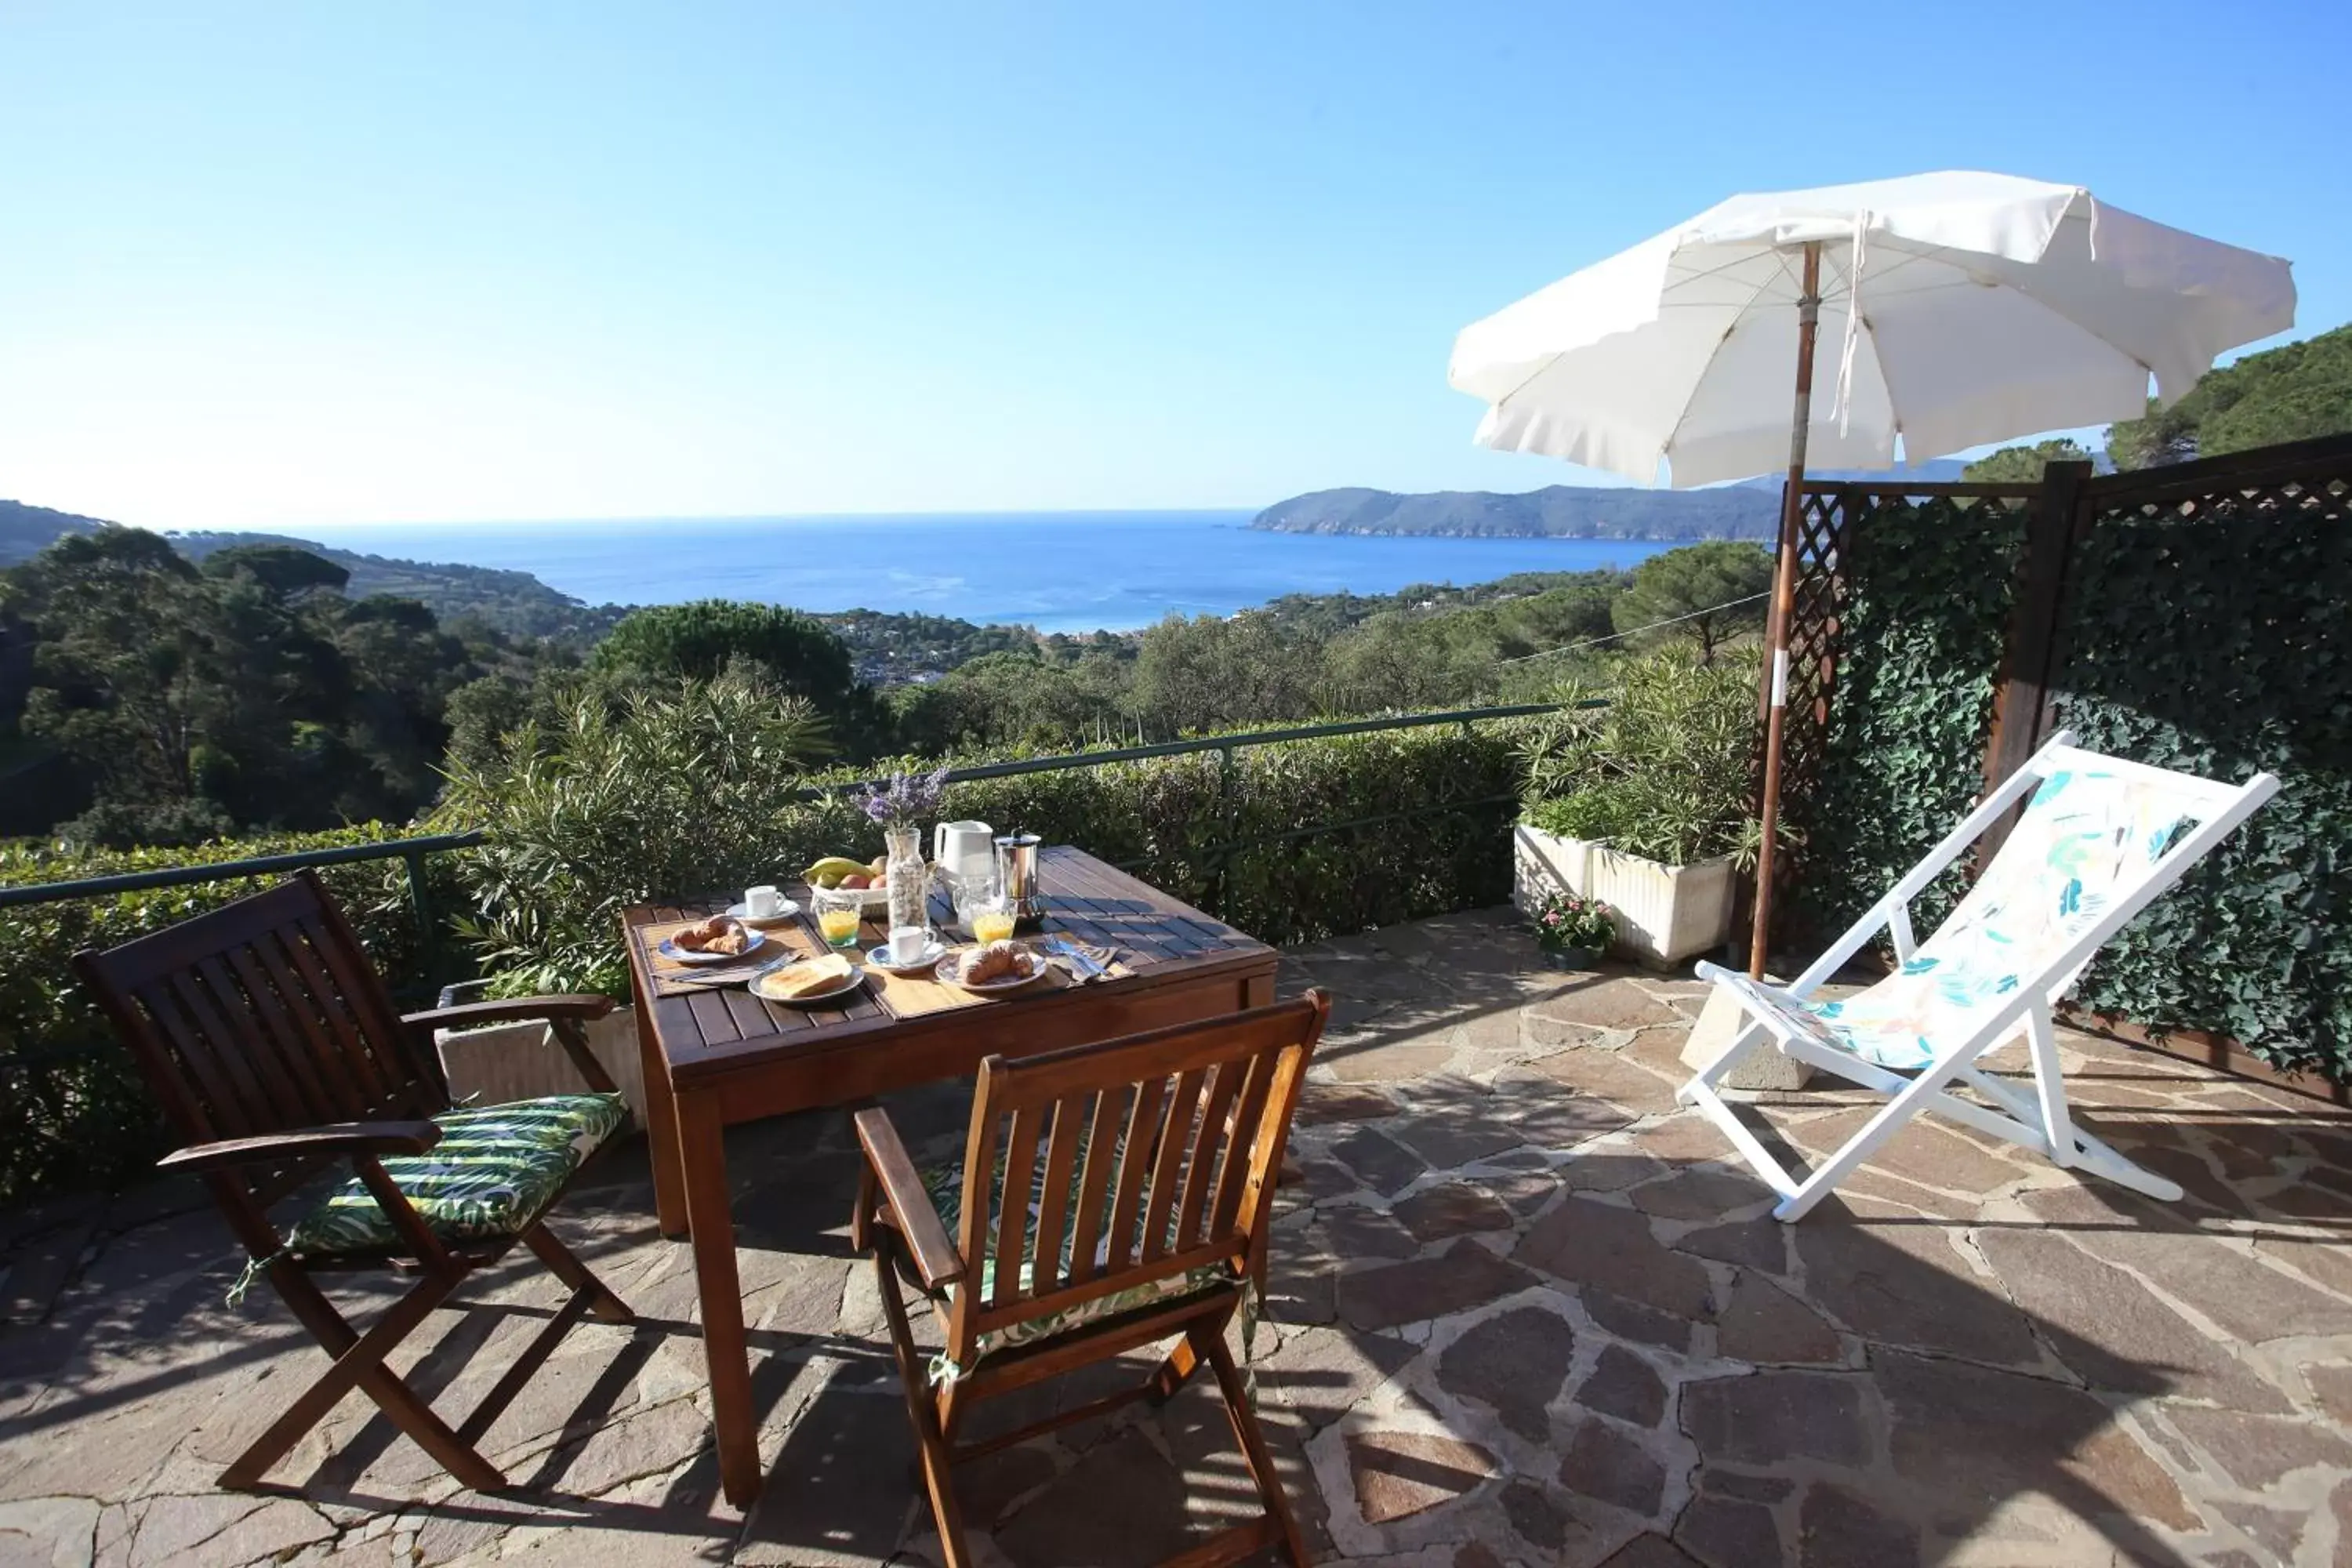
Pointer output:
x,y
2213,644
1929,585
2217,645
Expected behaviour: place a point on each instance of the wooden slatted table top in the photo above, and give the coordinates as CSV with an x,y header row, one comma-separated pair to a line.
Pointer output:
x,y
722,1029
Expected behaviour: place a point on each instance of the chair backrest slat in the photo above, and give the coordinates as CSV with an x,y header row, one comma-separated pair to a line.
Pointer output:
x,y
1095,1183
1217,1099
1053,1197
262,1016
1232,1170
293,1050
1164,1142
1135,1162
1013,1205
1168,1171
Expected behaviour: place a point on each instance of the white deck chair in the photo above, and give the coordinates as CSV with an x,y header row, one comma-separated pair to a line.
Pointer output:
x,y
2100,840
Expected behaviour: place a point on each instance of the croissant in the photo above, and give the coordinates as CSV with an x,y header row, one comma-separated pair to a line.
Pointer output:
x,y
997,960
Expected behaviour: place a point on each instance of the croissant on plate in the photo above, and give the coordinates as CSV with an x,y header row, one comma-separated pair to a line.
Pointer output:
x,y
997,960
720,933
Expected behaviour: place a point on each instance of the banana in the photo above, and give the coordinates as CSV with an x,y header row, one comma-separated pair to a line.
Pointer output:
x,y
829,872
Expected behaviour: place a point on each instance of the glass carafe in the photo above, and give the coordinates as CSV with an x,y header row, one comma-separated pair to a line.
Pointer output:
x,y
908,879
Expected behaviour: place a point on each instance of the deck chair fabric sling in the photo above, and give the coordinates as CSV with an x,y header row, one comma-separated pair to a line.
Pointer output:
x,y
1141,1175
273,1047
2099,841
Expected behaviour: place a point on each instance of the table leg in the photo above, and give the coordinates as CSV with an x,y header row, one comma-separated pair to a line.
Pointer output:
x,y
661,1122
710,1209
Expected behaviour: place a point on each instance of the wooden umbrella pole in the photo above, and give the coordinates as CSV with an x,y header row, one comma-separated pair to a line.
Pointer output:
x,y
1784,603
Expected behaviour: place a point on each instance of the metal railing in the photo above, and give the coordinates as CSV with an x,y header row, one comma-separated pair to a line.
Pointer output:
x,y
413,851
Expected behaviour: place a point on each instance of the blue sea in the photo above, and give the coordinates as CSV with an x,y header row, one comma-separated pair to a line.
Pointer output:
x,y
1067,571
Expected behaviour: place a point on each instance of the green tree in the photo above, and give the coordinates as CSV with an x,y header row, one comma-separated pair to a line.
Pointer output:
x,y
1712,592
797,654
282,569
2293,392
2023,465
1206,673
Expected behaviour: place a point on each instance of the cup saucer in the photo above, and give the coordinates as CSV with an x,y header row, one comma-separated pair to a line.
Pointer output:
x,y
880,959
786,910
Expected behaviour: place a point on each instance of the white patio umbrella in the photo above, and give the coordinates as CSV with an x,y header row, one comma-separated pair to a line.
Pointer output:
x,y
1989,307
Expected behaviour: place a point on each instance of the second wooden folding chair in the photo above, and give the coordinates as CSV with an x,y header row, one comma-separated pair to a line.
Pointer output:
x,y
1109,1197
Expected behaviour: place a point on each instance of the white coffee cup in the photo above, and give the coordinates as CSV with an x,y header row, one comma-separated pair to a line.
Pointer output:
x,y
761,903
907,942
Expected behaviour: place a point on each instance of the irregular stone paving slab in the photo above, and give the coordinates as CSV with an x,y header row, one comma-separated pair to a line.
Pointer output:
x,y
1923,1151
1701,1194
2107,1328
1397,1474
1069,1523
1622,1384
1442,1213
1323,1374
1901,1283
1587,1242
1723,1534
1612,1003
1464,1277
48,1532
1762,1322
1633,1320
1603,1463
2247,1301
1834,1525
1320,1103
1514,1362
1384,1165
1649,1552
1770,1418
1605,1074
2256,1450
1978,1436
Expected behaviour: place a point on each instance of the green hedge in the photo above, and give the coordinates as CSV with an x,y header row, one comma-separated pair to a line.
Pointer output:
x,y
1930,585
2214,643
69,1095
77,1115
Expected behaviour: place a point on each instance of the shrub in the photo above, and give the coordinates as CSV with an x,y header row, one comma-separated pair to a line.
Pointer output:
x,y
1662,771
665,796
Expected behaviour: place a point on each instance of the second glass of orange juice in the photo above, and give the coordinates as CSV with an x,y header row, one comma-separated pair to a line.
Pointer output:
x,y
991,925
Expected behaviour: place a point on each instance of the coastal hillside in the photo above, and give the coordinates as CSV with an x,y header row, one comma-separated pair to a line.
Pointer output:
x,y
1749,510
1559,511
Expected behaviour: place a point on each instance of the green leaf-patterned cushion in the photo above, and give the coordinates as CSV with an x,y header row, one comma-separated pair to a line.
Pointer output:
x,y
496,1169
944,1185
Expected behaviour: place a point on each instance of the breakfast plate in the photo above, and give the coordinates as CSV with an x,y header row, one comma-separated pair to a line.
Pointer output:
x,y
808,982
786,911
880,959
670,949
951,969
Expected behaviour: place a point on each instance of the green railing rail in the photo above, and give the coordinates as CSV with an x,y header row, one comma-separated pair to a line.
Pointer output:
x,y
415,850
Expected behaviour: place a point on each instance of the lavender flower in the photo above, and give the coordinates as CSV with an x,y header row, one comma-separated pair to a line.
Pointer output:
x,y
904,800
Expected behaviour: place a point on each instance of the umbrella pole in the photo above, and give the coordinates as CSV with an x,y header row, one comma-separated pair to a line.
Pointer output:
x,y
1784,602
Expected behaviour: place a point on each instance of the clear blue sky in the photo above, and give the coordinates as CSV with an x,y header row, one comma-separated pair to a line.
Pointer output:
x,y
280,265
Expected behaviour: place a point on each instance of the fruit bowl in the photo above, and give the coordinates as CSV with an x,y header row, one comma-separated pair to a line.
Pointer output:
x,y
829,875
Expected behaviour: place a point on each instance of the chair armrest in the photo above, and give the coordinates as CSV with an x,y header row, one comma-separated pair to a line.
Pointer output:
x,y
521,1010
934,1254
339,1138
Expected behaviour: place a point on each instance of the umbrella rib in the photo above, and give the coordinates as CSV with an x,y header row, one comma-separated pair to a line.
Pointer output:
x,y
1666,447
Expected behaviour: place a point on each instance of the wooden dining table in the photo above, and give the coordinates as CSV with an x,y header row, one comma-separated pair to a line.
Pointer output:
x,y
716,1056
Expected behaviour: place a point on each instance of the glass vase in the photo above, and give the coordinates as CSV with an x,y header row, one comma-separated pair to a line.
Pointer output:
x,y
909,879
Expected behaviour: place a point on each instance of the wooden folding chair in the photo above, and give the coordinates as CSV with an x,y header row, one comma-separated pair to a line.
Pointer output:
x,y
2099,841
1108,1196
272,1046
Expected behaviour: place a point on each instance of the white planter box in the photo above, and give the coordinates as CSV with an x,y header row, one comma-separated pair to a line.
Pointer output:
x,y
1664,913
524,1061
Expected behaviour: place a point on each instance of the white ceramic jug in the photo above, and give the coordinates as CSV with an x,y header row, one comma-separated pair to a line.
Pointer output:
x,y
964,848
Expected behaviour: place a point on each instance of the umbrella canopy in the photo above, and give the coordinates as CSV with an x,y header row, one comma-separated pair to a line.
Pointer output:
x,y
1990,308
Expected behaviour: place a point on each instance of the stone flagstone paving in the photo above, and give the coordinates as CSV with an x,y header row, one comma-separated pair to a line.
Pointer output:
x,y
1522,1311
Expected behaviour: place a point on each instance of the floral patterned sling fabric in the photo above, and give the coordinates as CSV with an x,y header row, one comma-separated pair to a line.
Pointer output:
x,y
2086,841
944,1184
495,1169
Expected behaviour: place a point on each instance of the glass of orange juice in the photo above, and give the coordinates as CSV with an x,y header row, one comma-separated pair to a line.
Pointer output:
x,y
837,916
991,922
